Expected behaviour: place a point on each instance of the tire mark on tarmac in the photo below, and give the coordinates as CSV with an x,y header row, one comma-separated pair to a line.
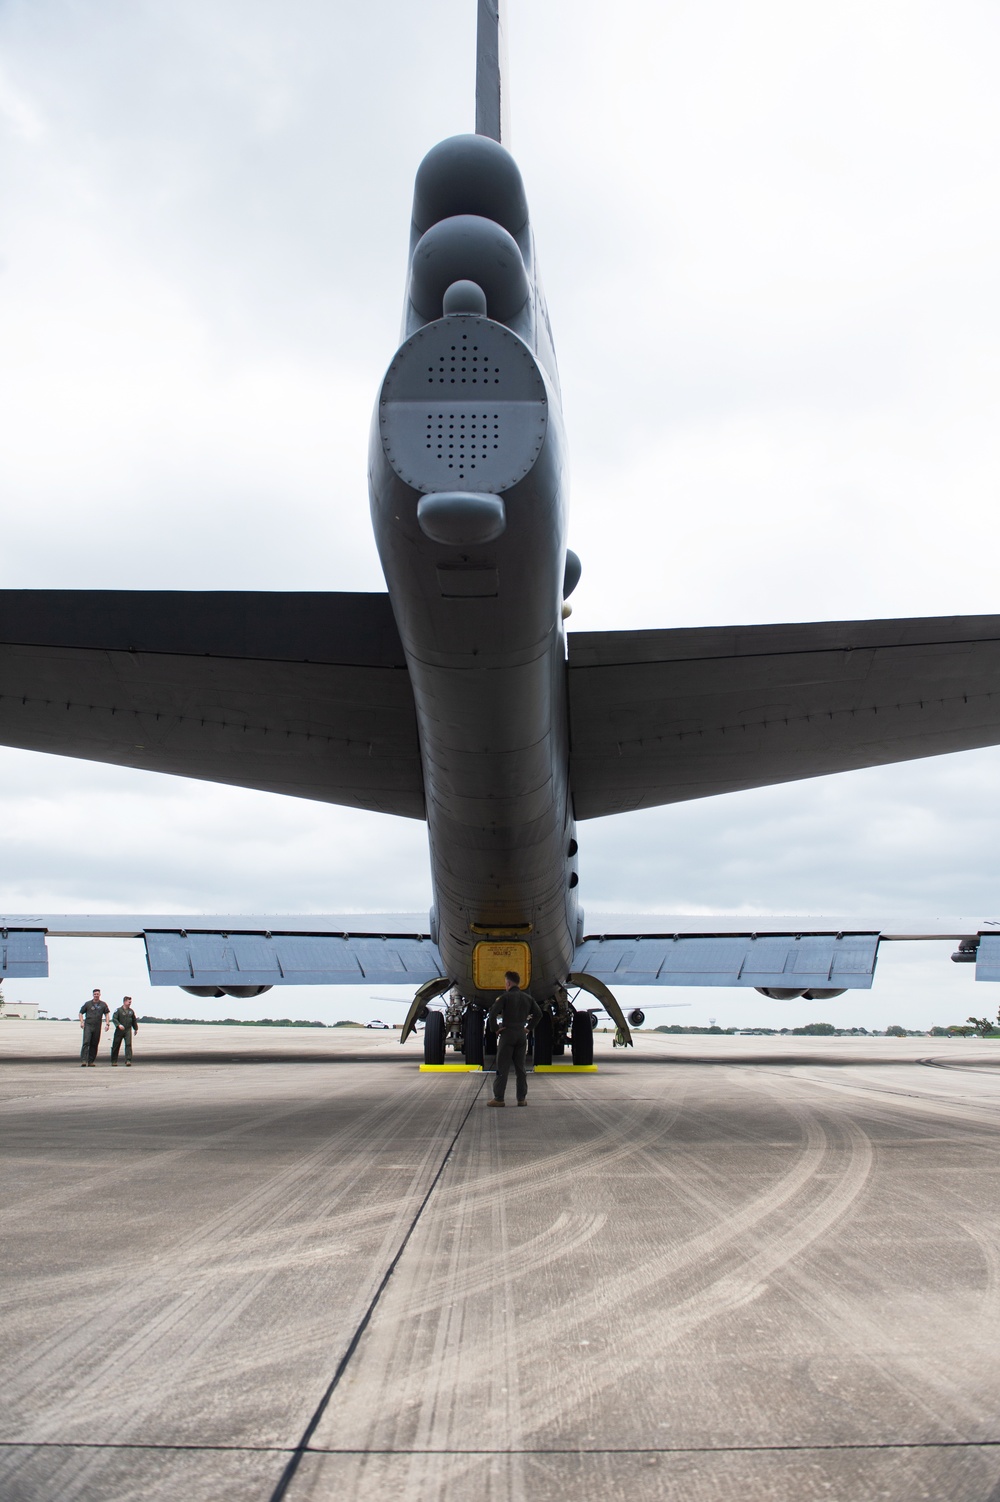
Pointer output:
x,y
599,1153
664,1320
191,1321
655,1300
270,1204
963,1111
919,1378
288,1474
565,1236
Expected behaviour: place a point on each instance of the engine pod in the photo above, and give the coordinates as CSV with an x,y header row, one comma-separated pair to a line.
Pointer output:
x,y
463,407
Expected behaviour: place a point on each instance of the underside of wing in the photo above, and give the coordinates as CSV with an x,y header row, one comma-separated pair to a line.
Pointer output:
x,y
663,716
787,962
240,955
782,956
305,694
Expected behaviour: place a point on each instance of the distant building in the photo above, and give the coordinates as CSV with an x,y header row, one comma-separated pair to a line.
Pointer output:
x,y
27,1011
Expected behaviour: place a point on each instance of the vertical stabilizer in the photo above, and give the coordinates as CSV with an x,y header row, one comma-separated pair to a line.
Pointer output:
x,y
492,113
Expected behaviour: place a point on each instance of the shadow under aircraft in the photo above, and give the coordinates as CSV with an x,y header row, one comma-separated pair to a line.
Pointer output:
x,y
457,697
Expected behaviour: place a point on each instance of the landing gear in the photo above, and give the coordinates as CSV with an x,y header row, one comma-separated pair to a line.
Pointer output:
x,y
544,1039
473,1049
607,1000
582,1038
434,1038
563,1024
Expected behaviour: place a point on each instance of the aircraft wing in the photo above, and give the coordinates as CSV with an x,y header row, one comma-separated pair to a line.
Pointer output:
x,y
225,951
769,953
305,694
662,716
813,953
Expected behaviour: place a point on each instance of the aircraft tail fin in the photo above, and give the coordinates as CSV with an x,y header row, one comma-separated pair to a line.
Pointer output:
x,y
492,108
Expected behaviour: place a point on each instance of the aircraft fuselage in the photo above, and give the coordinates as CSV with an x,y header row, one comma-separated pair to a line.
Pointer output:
x,y
466,407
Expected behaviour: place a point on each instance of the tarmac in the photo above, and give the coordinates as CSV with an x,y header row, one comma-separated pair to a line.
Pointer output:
x,y
269,1263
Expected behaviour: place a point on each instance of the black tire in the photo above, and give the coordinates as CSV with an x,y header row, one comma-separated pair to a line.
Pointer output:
x,y
474,1036
434,1038
582,1038
543,1040
559,1048
490,1043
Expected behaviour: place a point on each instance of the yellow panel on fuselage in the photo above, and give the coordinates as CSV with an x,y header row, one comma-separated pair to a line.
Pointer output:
x,y
493,957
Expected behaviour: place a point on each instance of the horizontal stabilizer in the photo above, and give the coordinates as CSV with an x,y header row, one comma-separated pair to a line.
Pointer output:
x,y
303,694
662,716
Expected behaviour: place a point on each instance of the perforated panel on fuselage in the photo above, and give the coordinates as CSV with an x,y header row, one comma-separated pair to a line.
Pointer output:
x,y
463,407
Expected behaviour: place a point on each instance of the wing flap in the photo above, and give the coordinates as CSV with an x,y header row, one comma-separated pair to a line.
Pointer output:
x,y
182,958
23,955
663,716
803,961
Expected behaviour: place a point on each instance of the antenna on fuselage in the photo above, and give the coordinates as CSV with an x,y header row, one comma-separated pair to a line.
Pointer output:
x,y
492,109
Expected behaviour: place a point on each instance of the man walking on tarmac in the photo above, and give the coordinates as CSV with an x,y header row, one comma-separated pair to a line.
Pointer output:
x,y
126,1023
92,1014
511,1015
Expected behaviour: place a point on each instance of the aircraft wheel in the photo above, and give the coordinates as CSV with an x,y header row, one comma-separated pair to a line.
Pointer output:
x,y
474,1036
582,1038
543,1040
434,1038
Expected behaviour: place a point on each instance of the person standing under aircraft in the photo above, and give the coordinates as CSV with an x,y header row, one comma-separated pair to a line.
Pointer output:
x,y
91,1015
126,1023
511,1015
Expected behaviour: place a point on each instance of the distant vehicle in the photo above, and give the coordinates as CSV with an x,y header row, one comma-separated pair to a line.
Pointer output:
x,y
377,1022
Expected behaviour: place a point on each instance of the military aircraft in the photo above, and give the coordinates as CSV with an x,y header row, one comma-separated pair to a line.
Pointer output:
x,y
457,697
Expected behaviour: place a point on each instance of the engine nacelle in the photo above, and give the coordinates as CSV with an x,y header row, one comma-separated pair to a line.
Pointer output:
x,y
215,993
815,993
636,1017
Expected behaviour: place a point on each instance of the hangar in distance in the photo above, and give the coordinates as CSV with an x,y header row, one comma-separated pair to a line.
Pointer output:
x,y
458,697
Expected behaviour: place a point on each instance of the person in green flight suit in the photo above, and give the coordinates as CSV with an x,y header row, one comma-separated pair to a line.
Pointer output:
x,y
92,1014
511,1015
126,1023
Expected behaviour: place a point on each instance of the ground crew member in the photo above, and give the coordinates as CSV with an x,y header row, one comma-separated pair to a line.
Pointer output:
x,y
92,1013
511,1015
126,1023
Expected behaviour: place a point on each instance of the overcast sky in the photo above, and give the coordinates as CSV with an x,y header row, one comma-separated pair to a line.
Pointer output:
x,y
769,236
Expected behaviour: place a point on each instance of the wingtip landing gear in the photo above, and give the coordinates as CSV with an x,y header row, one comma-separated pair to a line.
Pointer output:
x,y
608,1001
